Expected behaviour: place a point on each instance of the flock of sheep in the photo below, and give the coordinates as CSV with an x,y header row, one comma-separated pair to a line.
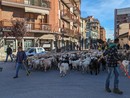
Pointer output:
x,y
85,61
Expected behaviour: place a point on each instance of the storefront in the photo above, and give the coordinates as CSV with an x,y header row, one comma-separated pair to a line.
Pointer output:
x,y
28,43
47,42
15,43
11,43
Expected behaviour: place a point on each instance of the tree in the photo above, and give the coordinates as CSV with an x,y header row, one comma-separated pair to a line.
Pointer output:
x,y
19,28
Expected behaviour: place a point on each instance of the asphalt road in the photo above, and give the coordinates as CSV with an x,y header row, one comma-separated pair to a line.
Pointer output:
x,y
50,85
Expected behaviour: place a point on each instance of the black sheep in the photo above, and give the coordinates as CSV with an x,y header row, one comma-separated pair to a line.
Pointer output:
x,y
94,66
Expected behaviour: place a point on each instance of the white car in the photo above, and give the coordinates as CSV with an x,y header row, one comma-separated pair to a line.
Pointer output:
x,y
35,50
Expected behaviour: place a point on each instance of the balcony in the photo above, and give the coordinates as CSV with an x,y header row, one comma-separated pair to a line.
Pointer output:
x,y
76,10
77,1
77,22
69,3
71,32
67,31
5,23
31,27
27,3
77,34
67,15
94,25
37,27
38,3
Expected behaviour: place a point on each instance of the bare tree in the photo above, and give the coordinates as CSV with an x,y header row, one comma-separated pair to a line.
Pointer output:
x,y
19,28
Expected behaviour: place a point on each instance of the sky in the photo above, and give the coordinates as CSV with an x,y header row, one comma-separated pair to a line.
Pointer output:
x,y
103,10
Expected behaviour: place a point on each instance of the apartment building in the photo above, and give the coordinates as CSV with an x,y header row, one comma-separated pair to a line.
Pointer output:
x,y
122,25
50,23
83,33
65,20
35,13
124,34
102,34
93,31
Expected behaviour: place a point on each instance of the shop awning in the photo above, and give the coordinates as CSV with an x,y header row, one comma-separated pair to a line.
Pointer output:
x,y
36,10
65,39
48,36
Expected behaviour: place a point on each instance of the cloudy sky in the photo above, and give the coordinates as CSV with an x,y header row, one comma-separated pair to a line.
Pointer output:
x,y
104,11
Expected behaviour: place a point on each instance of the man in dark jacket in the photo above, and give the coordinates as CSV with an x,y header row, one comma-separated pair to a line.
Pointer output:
x,y
9,53
20,59
112,60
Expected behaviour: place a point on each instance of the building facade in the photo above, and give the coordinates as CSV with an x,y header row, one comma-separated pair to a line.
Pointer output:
x,y
92,31
102,34
83,34
65,20
50,23
122,26
34,12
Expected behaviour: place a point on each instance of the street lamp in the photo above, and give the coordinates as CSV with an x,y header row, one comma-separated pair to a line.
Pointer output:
x,y
62,31
56,40
1,35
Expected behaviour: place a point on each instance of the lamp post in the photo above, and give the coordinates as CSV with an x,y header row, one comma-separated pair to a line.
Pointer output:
x,y
62,31
56,40
1,35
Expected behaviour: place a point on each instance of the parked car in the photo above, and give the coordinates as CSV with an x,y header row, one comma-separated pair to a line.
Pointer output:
x,y
35,50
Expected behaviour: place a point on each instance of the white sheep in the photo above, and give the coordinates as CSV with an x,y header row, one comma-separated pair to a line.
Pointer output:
x,y
75,63
126,65
63,67
85,63
46,63
36,63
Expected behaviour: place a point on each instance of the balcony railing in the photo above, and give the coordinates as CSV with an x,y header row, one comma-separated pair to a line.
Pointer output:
x,y
71,32
67,15
67,31
38,27
69,3
77,22
76,10
77,0
38,3
41,3
15,1
30,26
5,23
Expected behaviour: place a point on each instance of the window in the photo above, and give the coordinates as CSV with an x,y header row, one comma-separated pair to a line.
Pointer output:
x,y
32,50
40,50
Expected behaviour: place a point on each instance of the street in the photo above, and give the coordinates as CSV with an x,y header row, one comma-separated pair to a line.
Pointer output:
x,y
50,85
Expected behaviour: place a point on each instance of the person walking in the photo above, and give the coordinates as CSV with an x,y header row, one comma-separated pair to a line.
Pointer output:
x,y
20,59
112,60
8,53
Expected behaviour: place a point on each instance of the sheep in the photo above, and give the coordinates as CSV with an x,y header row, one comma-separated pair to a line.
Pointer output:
x,y
126,65
63,67
46,64
85,64
75,63
35,63
29,60
94,66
